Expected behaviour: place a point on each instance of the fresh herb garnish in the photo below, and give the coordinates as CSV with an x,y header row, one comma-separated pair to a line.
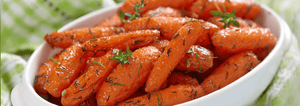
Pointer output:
x,y
188,64
200,69
91,32
97,62
61,69
190,51
159,101
53,60
227,18
140,68
63,92
122,57
116,83
210,58
137,8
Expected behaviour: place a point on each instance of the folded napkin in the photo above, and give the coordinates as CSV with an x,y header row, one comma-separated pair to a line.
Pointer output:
x,y
25,22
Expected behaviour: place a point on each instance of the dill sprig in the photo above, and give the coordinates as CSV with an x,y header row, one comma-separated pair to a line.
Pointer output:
x,y
227,18
137,8
122,57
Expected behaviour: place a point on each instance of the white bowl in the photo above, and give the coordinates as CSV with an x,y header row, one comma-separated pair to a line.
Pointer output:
x,y
241,92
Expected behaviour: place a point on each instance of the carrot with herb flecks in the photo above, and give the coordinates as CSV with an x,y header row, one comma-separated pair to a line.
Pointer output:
x,y
128,78
197,59
164,11
168,26
246,9
175,51
91,101
134,39
114,21
229,71
222,55
42,75
88,83
128,5
173,95
243,39
69,65
179,78
160,45
65,39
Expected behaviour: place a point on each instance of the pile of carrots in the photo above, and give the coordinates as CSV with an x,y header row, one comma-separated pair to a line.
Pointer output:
x,y
171,52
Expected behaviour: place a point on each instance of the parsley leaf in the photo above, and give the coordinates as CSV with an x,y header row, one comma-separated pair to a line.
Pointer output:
x,y
227,18
122,57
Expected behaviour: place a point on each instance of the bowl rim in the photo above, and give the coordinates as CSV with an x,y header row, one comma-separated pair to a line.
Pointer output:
x,y
280,42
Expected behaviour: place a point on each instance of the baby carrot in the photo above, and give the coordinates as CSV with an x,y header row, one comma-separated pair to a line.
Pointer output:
x,y
88,83
42,75
69,65
168,26
252,12
91,101
229,71
126,80
173,95
175,51
243,39
65,39
202,8
165,11
160,45
114,21
134,39
127,6
179,78
196,59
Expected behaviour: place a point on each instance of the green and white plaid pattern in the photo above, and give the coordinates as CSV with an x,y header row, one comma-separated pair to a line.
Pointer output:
x,y
25,22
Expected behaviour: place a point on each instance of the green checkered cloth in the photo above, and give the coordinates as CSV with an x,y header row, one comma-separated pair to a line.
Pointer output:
x,y
25,22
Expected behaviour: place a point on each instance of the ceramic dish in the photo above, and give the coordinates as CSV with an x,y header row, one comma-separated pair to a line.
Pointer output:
x,y
241,92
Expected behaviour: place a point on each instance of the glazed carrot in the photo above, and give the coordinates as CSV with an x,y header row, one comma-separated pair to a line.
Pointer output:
x,y
88,83
196,59
114,21
174,52
65,39
91,101
165,11
126,80
69,65
127,7
179,78
202,8
222,55
237,40
42,75
229,71
160,45
252,12
168,26
262,53
134,39
201,76
170,96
